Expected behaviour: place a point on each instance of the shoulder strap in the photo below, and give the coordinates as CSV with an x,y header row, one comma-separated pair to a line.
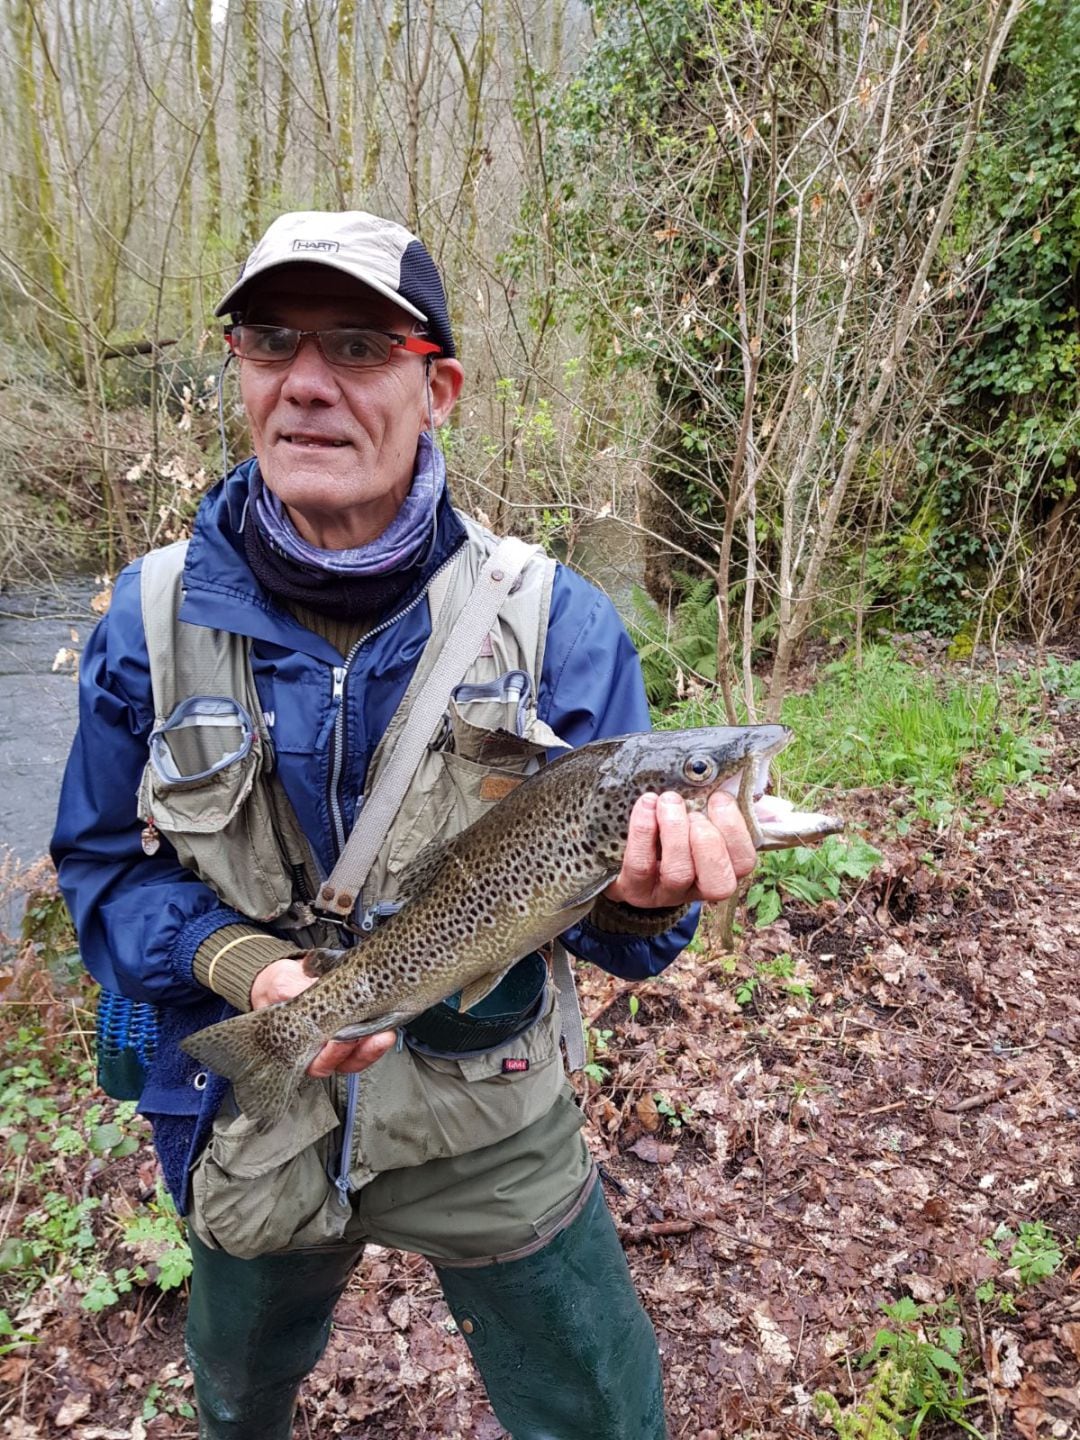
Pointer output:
x,y
495,581
159,595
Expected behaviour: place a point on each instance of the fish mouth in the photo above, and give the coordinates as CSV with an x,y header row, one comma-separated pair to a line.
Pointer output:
x,y
734,783
776,824
768,741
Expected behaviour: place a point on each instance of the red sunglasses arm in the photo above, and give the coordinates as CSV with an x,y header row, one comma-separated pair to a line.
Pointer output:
x,y
419,346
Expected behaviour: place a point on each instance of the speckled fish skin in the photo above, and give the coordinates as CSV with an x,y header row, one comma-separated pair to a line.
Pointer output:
x,y
526,871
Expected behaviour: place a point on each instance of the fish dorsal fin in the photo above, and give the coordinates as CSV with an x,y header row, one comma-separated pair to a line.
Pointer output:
x,y
419,875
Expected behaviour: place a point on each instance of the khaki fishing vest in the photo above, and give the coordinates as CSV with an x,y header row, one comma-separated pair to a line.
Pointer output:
x,y
254,1193
229,819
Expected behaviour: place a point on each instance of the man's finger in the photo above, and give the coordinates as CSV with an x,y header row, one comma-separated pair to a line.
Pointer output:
x,y
724,813
676,861
640,857
349,1057
715,874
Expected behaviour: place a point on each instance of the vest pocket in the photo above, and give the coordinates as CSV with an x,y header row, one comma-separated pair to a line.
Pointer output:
x,y
254,1193
415,1106
208,788
485,747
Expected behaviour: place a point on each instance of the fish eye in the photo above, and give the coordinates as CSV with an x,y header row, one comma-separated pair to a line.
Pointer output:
x,y
700,769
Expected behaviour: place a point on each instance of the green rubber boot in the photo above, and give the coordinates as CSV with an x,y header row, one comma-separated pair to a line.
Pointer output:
x,y
255,1329
560,1338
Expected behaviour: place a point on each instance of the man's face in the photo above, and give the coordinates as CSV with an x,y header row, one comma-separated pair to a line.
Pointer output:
x,y
337,446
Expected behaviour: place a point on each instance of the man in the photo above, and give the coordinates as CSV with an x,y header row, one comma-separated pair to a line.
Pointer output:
x,y
298,628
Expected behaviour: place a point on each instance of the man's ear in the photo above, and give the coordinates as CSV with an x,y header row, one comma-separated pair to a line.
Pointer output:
x,y
445,377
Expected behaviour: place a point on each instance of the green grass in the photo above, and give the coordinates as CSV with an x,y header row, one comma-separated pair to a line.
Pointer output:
x,y
891,723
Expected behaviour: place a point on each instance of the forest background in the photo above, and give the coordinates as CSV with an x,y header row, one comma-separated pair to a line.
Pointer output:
x,y
769,316
790,289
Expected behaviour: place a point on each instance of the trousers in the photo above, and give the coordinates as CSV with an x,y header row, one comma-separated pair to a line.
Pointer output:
x,y
542,1296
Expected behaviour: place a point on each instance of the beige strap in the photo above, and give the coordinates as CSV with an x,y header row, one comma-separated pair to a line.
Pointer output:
x,y
224,951
343,888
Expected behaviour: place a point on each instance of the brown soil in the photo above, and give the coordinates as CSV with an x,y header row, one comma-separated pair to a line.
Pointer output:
x,y
833,1155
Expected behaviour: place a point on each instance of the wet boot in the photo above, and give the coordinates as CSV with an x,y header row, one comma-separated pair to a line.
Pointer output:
x,y
559,1336
255,1329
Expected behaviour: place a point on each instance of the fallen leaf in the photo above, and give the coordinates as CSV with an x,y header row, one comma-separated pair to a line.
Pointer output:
x,y
922,1287
72,1408
1070,1333
775,1346
650,1149
13,1369
398,1312
16,1428
648,1114
1005,1363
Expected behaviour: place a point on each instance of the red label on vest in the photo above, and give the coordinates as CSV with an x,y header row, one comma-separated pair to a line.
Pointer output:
x,y
515,1066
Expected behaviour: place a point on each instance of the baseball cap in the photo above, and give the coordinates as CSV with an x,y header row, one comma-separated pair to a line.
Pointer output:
x,y
379,253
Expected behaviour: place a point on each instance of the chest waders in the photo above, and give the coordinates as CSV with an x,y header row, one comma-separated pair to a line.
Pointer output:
x,y
553,1324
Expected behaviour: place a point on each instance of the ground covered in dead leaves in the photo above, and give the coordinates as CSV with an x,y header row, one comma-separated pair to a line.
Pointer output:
x,y
785,1145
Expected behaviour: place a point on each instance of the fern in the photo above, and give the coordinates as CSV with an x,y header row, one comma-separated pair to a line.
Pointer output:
x,y
684,643
876,1416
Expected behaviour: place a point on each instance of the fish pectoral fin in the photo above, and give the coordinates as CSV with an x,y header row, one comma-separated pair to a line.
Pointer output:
x,y
476,990
323,961
390,1021
588,894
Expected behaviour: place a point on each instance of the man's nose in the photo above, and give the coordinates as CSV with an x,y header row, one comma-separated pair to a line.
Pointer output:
x,y
309,379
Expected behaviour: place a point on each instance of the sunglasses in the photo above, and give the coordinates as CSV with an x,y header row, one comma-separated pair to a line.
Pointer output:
x,y
352,348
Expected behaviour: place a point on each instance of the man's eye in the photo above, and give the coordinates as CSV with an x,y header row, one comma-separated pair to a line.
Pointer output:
x,y
356,344
276,342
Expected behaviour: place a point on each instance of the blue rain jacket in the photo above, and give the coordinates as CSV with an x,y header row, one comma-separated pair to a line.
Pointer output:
x,y
140,919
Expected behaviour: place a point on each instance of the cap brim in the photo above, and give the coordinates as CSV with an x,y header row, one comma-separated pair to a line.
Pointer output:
x,y
229,302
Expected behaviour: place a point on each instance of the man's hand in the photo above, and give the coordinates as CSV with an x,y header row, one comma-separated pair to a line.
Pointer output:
x,y
281,980
674,855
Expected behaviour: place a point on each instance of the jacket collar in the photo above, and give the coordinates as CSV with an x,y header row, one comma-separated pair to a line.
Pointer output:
x,y
220,590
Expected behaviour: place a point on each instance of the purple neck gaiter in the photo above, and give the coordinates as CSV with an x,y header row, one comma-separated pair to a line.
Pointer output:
x,y
399,544
379,574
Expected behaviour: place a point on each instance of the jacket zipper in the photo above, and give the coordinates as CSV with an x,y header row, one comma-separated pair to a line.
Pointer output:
x,y
340,674
337,760
337,765
341,1179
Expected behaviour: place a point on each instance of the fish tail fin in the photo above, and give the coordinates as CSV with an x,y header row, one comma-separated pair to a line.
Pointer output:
x,y
264,1078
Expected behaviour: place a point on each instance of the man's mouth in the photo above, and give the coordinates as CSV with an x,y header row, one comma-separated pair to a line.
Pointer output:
x,y
315,442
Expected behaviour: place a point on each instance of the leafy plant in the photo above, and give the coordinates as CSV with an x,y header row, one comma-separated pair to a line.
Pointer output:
x,y
917,1377
810,874
781,968
159,1238
988,1294
679,646
596,1043
46,923
167,1398
874,1417
10,1337
1034,1253
676,1113
47,1122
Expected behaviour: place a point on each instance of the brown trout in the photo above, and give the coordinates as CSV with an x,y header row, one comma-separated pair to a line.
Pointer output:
x,y
474,905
